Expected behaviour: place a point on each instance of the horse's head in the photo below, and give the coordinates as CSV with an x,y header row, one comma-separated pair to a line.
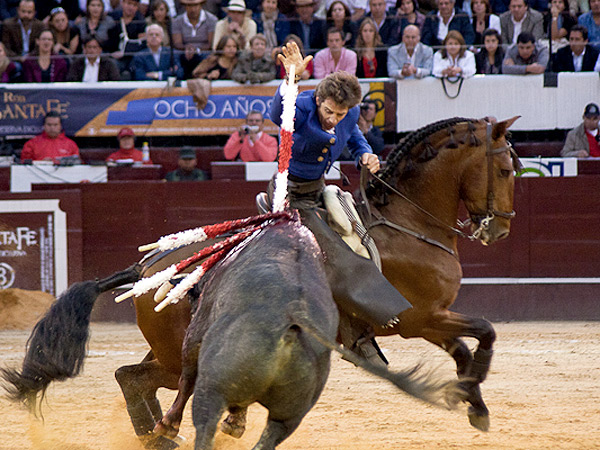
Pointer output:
x,y
488,182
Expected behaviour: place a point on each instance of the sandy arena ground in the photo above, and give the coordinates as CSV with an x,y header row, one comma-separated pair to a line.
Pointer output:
x,y
543,393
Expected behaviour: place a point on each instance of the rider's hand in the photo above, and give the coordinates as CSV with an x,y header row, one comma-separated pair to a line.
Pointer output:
x,y
290,55
371,161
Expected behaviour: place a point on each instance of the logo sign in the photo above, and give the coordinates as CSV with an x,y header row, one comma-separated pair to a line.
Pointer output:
x,y
549,167
33,245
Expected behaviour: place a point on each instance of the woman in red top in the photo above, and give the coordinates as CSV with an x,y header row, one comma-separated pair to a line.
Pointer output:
x,y
370,52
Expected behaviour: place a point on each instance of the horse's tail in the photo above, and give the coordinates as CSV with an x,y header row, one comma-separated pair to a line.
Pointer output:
x,y
426,386
57,345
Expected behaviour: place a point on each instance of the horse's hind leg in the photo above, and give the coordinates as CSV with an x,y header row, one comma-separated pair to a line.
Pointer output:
x,y
139,384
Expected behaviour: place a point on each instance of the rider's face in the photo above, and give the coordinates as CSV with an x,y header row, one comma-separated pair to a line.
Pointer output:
x,y
330,113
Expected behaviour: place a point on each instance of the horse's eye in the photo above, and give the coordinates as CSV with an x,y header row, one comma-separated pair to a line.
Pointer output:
x,y
505,173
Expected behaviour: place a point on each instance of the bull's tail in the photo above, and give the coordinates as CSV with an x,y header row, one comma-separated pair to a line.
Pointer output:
x,y
424,385
57,346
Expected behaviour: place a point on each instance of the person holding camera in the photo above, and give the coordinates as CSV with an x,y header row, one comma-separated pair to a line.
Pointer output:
x,y
374,136
250,143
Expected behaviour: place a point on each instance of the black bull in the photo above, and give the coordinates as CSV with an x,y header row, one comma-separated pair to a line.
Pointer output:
x,y
277,284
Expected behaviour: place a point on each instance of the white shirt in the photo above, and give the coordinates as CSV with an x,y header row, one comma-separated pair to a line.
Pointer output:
x,y
90,75
517,27
443,27
466,63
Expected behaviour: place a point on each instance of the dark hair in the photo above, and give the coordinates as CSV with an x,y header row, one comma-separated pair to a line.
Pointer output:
x,y
454,34
223,41
488,8
333,30
91,38
154,6
87,9
341,87
491,32
51,114
346,11
414,2
582,29
525,37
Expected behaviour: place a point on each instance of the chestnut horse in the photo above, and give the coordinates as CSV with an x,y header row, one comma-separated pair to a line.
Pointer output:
x,y
414,203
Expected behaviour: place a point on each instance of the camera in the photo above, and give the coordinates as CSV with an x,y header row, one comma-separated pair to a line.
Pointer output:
x,y
364,106
248,129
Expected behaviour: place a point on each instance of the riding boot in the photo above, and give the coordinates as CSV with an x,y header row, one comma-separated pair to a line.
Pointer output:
x,y
359,338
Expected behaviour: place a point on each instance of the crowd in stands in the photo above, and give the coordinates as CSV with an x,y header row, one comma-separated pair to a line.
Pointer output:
x,y
110,40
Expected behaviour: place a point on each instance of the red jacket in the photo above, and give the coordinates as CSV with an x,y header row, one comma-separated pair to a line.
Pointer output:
x,y
44,147
131,153
264,149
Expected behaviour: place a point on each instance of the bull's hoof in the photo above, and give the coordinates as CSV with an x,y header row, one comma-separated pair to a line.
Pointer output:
x,y
167,430
233,426
478,420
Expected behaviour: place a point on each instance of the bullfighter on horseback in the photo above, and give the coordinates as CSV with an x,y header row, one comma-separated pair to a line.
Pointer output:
x,y
325,123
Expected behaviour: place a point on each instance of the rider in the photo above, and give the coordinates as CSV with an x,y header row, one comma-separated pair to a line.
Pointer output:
x,y
326,122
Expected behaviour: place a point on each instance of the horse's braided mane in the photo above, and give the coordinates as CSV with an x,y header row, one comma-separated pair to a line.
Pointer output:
x,y
403,149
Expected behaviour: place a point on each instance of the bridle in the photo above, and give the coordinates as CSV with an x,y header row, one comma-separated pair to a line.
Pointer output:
x,y
483,219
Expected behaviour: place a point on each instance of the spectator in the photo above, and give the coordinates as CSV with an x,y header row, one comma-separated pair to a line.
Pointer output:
x,y
408,14
19,33
307,72
374,136
52,144
582,141
387,26
308,28
370,53
8,69
187,169
338,16
173,7
237,24
93,67
127,150
591,20
578,7
335,57
95,22
42,66
446,18
411,58
357,8
159,14
193,32
155,62
482,20
250,143
579,56
219,64
489,60
518,19
126,36
557,23
44,8
453,60
255,65
525,56
66,36
274,25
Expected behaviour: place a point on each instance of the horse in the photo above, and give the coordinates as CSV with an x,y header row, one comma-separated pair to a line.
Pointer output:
x,y
415,202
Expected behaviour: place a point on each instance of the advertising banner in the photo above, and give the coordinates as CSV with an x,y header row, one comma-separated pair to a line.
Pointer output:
x,y
151,110
33,245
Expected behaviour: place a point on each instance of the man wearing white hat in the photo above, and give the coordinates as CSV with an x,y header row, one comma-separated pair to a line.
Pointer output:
x,y
238,24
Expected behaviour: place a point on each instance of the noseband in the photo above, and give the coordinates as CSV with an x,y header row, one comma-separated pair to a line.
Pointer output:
x,y
482,219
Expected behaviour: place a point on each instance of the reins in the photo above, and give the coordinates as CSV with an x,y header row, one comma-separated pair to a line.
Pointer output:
x,y
484,222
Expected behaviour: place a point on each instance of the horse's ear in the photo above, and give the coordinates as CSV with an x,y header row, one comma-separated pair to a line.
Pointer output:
x,y
500,128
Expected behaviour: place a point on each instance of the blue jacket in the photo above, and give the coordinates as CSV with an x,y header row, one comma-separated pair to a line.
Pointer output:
x,y
143,62
460,22
314,150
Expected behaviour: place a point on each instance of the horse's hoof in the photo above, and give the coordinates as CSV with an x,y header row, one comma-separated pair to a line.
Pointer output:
x,y
169,431
479,421
233,428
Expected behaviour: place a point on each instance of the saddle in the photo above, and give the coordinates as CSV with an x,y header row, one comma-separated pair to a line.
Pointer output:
x,y
342,218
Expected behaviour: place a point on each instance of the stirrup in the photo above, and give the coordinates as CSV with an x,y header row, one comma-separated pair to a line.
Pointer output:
x,y
262,203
